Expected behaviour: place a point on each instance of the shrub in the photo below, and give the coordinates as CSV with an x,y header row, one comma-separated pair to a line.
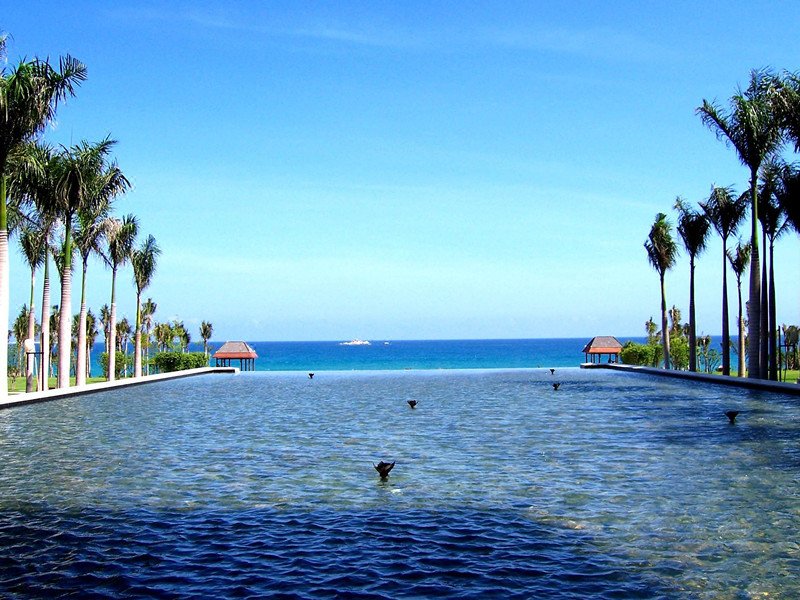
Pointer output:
x,y
168,362
640,354
120,361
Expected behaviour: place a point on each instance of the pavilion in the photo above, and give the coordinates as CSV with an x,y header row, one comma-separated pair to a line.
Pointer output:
x,y
241,351
601,345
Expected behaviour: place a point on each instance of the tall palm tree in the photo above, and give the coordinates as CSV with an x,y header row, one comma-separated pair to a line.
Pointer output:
x,y
774,225
29,95
148,310
101,185
693,229
206,331
662,252
120,237
40,186
79,192
143,260
752,127
739,258
725,212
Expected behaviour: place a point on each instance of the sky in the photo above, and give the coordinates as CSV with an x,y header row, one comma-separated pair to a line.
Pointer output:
x,y
409,170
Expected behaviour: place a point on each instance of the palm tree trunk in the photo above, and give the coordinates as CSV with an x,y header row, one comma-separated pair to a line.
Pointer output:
x,y
664,328
80,361
764,349
726,330
30,378
44,367
692,331
4,283
754,304
137,347
773,324
65,318
112,329
742,367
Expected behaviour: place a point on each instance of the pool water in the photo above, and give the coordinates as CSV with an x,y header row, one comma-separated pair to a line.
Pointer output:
x,y
262,485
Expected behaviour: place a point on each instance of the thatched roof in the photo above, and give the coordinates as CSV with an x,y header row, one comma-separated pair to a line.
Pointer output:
x,y
236,350
603,344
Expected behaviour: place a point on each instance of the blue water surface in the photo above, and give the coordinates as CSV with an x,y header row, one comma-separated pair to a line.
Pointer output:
x,y
262,485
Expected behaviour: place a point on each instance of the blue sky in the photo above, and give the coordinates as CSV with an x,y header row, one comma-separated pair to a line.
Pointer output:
x,y
410,170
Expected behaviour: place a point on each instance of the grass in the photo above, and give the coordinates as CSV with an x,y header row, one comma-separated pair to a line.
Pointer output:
x,y
18,384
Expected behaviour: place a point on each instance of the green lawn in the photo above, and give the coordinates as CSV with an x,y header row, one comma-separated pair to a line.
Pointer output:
x,y
18,384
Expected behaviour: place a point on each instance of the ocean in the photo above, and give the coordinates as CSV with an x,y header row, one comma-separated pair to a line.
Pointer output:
x,y
393,355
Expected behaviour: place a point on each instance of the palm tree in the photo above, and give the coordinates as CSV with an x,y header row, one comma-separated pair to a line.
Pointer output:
x,y
105,319
739,258
120,237
80,191
725,213
752,127
40,187
33,248
29,96
693,229
143,260
91,337
206,331
123,331
774,225
101,185
148,310
52,345
662,252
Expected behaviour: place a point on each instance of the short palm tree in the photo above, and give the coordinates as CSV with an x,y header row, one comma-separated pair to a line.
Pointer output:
x,y
29,96
148,311
739,258
105,319
120,237
123,330
693,229
725,212
206,331
34,248
662,253
91,337
143,260
752,127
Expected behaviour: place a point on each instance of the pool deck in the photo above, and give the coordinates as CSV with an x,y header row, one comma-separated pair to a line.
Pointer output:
x,y
20,398
741,382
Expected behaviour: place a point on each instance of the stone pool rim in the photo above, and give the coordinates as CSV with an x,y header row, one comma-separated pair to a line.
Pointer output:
x,y
781,387
23,398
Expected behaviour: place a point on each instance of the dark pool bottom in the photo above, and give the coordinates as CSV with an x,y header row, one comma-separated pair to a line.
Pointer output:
x,y
461,553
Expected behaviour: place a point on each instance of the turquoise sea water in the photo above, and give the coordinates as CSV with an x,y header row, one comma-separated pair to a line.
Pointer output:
x,y
425,354
407,354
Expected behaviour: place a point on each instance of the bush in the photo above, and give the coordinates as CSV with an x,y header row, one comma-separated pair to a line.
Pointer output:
x,y
169,362
120,361
645,355
679,352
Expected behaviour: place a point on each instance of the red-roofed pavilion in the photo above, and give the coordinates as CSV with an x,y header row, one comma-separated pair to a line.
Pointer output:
x,y
241,351
600,346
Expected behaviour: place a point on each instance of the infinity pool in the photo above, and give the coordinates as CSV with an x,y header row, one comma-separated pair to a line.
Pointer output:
x,y
258,485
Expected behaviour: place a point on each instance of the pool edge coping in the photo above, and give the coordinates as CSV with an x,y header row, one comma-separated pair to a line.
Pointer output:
x,y
741,382
23,398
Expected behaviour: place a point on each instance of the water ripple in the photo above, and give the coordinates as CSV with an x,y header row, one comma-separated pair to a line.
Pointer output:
x,y
263,486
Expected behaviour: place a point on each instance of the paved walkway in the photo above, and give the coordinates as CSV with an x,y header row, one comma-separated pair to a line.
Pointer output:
x,y
742,382
92,388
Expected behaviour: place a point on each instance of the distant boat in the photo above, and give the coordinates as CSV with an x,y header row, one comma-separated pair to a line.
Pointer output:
x,y
355,342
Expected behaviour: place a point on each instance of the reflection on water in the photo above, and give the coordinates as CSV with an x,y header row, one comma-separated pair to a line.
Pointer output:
x,y
615,485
